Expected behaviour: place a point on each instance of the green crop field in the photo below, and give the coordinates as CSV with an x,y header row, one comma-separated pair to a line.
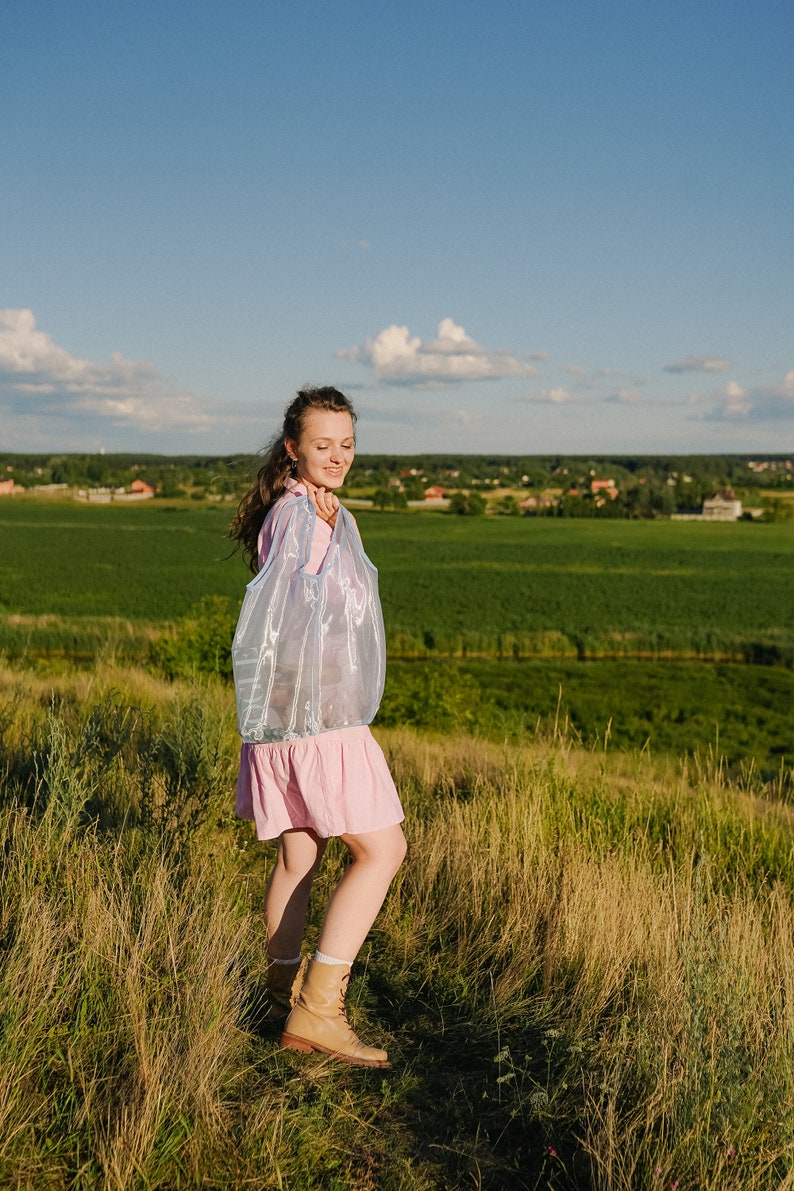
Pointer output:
x,y
449,585
546,586
519,614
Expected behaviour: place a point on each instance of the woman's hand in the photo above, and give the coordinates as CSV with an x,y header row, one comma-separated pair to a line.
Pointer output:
x,y
326,504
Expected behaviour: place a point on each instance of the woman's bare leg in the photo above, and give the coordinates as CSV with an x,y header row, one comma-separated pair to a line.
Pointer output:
x,y
354,905
287,896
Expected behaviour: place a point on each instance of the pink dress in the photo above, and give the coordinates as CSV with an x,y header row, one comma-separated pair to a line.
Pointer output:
x,y
335,783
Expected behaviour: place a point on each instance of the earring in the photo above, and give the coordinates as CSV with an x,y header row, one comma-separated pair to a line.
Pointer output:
x,y
293,462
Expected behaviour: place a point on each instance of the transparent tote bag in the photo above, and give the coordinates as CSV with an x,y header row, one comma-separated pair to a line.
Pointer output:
x,y
309,651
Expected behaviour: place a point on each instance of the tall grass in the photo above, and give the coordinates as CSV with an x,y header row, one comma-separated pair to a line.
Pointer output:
x,y
584,973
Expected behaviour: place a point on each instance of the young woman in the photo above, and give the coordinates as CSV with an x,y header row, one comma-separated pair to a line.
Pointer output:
x,y
309,656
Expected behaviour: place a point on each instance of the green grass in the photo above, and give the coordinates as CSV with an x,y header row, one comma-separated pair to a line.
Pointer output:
x,y
599,623
496,586
548,586
142,563
583,973
740,712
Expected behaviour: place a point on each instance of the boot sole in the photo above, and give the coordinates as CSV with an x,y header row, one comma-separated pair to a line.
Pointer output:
x,y
290,1042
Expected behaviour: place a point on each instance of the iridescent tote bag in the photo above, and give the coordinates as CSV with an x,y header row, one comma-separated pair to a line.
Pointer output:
x,y
309,651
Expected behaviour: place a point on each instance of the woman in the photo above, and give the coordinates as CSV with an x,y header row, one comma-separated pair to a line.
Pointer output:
x,y
308,657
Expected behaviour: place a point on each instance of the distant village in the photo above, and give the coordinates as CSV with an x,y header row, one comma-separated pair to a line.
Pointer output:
x,y
705,488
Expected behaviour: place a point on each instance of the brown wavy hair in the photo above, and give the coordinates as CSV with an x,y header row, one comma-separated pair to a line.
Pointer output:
x,y
275,471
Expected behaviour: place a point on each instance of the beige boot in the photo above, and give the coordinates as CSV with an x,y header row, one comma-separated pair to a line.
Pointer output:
x,y
318,1020
280,981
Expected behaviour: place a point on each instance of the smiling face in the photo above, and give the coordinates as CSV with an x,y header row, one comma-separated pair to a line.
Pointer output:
x,y
325,449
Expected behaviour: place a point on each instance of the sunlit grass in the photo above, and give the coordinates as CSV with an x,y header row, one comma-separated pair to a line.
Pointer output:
x,y
584,972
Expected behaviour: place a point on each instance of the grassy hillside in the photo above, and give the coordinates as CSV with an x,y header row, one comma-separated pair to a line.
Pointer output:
x,y
584,973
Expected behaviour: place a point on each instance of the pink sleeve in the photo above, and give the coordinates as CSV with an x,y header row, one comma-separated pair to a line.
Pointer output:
x,y
321,538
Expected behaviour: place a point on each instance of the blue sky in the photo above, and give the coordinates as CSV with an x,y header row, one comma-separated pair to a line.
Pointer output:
x,y
498,226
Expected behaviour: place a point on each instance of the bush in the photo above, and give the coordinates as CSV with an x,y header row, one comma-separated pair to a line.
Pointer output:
x,y
201,641
467,504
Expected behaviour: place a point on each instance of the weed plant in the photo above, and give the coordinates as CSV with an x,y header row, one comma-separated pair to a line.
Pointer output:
x,y
584,973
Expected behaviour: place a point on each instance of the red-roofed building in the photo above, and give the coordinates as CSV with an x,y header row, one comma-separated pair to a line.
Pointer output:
x,y
604,486
141,488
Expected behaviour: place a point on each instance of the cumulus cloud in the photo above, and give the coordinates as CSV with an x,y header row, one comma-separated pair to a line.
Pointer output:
x,y
770,403
558,396
698,364
39,377
399,358
32,363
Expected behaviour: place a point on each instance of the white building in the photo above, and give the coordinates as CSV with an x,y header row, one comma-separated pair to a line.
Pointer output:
x,y
723,506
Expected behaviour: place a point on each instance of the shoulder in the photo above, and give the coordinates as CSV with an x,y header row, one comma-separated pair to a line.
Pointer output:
x,y
288,510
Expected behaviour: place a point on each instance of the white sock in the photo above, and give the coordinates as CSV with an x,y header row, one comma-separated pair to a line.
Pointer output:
x,y
322,958
296,960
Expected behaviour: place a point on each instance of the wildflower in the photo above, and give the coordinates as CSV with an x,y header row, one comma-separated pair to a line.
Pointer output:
x,y
658,1171
552,1151
731,1152
539,1099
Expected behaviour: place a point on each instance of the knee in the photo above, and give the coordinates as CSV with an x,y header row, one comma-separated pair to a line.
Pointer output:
x,y
383,851
295,872
300,860
400,850
393,852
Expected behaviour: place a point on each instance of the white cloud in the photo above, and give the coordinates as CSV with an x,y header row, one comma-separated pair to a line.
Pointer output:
x,y
31,362
735,399
770,403
399,358
38,377
698,364
558,396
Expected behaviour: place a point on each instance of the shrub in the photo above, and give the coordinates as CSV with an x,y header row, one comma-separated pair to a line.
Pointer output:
x,y
201,641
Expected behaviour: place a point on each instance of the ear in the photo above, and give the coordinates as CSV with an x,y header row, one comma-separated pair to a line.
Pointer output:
x,y
291,447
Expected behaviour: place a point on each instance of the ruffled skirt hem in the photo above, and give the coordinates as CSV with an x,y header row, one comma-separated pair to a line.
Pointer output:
x,y
337,783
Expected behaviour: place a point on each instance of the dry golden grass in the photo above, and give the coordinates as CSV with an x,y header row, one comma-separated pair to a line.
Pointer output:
x,y
585,969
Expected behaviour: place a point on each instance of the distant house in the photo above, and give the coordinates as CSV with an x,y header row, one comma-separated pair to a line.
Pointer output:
x,y
6,487
604,487
435,492
142,489
722,506
546,500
